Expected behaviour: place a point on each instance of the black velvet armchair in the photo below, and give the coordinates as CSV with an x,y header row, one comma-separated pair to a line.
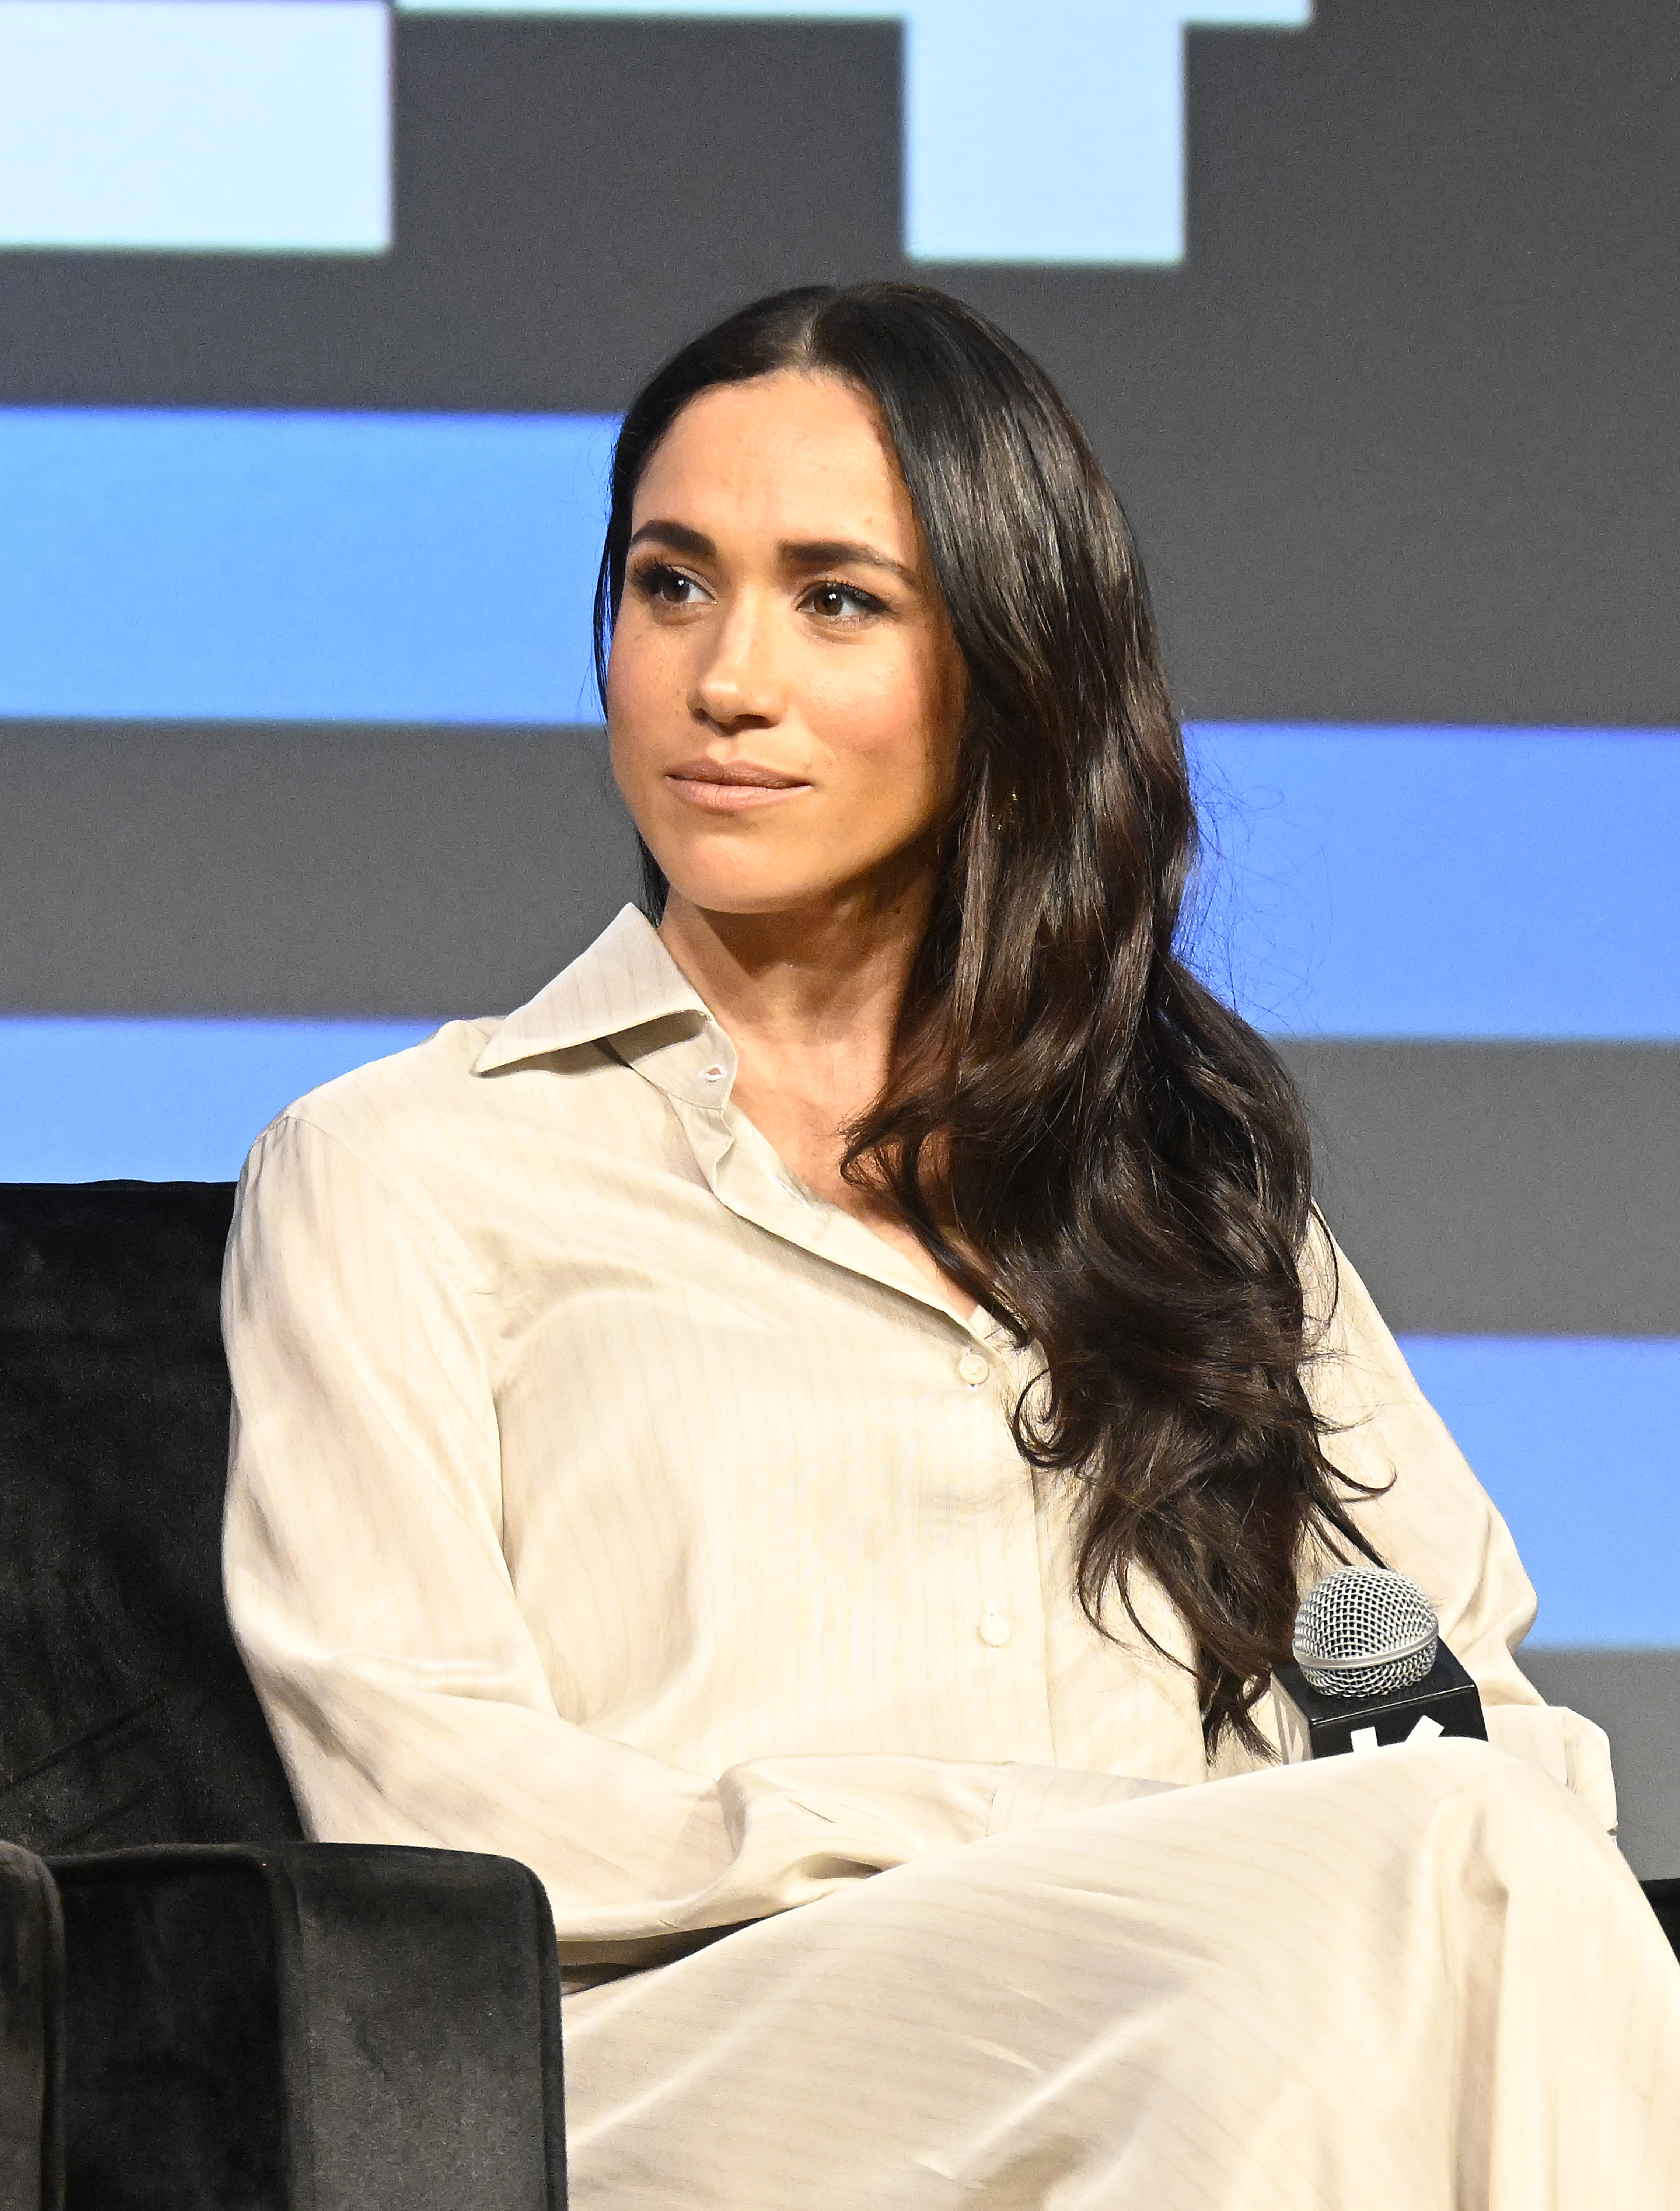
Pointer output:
x,y
199,2011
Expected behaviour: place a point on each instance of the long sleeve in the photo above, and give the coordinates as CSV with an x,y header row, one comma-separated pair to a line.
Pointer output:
x,y
370,1592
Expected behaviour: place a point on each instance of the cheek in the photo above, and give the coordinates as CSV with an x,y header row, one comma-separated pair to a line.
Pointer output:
x,y
894,727
641,686
635,671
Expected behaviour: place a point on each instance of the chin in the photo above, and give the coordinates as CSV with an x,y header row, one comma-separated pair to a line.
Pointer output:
x,y
736,891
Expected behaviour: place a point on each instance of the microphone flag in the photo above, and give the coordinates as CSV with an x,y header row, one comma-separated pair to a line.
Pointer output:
x,y
1369,1670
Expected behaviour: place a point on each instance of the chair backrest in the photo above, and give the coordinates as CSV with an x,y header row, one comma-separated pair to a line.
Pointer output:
x,y
125,1714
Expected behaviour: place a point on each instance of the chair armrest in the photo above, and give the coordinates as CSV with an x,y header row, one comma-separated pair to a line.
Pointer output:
x,y
310,2026
31,2051
1664,1898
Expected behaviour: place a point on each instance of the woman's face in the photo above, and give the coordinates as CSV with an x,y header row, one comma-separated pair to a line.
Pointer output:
x,y
785,695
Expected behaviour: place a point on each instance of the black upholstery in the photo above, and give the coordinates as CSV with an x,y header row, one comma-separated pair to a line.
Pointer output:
x,y
1665,1896
126,1716
250,2022
310,2028
31,2047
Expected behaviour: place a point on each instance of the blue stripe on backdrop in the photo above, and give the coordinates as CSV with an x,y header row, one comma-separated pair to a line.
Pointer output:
x,y
188,124
174,565
1577,1441
1444,882
95,1099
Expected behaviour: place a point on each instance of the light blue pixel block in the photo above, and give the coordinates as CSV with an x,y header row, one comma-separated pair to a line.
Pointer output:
x,y
1576,1441
1036,130
195,565
1045,131
96,1099
196,125
1473,883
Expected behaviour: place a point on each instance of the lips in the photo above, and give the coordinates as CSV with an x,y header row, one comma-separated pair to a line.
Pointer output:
x,y
731,786
748,773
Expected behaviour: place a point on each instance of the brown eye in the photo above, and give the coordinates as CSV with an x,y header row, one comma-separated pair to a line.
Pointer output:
x,y
666,587
841,603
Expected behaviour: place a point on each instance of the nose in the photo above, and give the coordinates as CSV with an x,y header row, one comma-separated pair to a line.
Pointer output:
x,y
737,684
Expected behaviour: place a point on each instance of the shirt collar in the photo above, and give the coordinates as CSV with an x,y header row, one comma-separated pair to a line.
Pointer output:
x,y
627,992
625,982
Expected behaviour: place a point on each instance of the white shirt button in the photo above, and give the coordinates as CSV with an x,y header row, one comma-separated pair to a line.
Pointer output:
x,y
972,1368
994,1626
713,1073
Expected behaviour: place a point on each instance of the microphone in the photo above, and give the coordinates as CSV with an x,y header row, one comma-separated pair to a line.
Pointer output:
x,y
1370,1669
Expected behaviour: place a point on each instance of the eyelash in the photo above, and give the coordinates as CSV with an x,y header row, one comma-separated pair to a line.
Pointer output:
x,y
866,600
649,578
652,578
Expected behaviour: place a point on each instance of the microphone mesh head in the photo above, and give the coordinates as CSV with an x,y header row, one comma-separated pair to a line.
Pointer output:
x,y
1364,1632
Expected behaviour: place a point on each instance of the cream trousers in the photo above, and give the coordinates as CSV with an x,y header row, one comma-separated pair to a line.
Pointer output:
x,y
1417,1979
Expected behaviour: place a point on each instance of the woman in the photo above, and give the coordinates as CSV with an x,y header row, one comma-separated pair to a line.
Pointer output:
x,y
833,1403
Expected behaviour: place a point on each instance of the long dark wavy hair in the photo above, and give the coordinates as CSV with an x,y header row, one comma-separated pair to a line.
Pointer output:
x,y
1078,1131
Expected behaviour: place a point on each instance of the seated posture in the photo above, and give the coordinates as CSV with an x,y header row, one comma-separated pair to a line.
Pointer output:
x,y
811,1433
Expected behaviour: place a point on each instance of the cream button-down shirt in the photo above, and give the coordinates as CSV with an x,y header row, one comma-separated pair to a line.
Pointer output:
x,y
601,1497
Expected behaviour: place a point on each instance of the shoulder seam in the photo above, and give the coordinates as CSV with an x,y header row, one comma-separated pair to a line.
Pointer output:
x,y
460,1270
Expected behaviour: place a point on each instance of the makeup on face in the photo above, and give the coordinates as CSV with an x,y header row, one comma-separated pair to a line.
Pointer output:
x,y
783,693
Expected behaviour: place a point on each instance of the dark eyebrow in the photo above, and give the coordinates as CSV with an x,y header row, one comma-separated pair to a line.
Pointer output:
x,y
846,553
807,552
678,536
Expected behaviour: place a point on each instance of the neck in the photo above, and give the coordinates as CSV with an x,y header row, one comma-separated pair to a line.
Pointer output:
x,y
816,987
811,998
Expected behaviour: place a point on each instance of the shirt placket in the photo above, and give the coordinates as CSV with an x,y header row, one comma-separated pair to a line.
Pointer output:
x,y
1007,1607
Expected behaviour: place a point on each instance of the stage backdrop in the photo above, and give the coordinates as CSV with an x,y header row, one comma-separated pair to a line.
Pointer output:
x,y
314,319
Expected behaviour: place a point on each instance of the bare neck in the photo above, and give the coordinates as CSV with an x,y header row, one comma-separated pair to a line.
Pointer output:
x,y
811,999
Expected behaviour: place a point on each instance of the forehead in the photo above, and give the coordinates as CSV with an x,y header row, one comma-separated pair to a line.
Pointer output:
x,y
799,454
